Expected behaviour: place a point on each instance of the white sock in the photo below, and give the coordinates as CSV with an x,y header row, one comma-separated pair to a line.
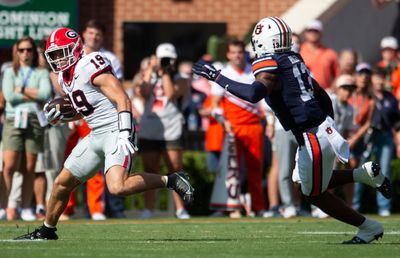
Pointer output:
x,y
362,176
48,226
165,180
359,175
367,223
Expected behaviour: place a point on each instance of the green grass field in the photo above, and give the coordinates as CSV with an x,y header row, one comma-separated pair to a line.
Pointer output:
x,y
200,237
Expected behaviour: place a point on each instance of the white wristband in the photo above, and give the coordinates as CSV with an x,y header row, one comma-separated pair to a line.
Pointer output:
x,y
125,121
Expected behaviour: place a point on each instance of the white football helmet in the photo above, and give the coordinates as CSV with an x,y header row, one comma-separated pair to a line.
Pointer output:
x,y
271,35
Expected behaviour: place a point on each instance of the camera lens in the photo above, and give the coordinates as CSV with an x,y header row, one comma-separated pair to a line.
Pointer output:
x,y
166,61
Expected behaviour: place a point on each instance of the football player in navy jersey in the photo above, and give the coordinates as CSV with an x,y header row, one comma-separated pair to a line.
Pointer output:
x,y
304,108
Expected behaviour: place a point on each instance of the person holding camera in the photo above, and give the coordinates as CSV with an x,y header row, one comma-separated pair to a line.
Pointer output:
x,y
161,129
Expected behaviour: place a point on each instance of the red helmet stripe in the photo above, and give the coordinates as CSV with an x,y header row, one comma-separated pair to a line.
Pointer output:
x,y
279,28
285,31
288,32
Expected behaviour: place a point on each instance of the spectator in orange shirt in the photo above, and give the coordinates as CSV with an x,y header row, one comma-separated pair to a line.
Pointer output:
x,y
214,136
396,82
322,61
243,120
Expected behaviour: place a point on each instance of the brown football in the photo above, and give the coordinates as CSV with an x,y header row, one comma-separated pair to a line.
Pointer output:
x,y
64,105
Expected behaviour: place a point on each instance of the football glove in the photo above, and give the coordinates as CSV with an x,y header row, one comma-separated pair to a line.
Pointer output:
x,y
125,144
206,70
126,134
53,116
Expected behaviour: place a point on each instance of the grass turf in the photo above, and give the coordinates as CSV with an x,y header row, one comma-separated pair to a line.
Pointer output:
x,y
200,237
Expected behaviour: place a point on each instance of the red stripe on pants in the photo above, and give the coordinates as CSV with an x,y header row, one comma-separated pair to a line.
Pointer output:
x,y
126,161
317,165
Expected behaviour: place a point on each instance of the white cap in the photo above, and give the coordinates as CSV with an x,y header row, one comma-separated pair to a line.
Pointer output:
x,y
315,25
166,50
389,42
345,80
363,67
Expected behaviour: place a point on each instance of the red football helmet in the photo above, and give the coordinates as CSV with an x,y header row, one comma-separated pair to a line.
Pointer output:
x,y
63,49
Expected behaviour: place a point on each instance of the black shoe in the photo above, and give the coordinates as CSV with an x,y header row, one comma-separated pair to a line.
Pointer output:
x,y
386,188
354,241
42,233
375,178
371,230
358,241
179,182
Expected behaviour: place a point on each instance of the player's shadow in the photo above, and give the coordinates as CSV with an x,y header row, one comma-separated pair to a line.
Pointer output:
x,y
375,244
191,239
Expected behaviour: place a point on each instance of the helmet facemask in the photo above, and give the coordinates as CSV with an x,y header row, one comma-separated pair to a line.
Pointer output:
x,y
60,58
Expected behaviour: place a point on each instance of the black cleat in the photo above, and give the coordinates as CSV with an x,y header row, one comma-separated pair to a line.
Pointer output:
x,y
369,231
354,241
179,182
373,176
41,233
385,188
358,241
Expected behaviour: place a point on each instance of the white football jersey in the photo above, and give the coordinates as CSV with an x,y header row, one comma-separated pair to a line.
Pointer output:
x,y
99,112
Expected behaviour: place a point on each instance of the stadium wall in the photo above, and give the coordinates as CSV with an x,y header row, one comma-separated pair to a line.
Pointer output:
x,y
238,14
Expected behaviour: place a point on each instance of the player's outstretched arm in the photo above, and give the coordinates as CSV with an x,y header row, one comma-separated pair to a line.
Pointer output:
x,y
250,92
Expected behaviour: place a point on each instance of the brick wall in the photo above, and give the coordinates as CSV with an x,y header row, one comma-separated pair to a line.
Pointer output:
x,y
238,14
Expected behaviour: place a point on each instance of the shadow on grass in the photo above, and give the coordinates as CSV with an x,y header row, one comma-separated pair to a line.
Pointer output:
x,y
371,244
190,240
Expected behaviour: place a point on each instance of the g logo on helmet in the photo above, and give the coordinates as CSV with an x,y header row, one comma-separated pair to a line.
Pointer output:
x,y
71,34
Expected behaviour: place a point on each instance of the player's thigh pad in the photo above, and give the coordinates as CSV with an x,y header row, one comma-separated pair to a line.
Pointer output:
x,y
113,158
314,164
84,160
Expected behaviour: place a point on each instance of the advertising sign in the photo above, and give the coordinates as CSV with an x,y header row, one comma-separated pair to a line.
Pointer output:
x,y
34,18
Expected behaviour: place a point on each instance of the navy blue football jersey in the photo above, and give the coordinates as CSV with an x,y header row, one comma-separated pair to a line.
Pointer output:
x,y
293,101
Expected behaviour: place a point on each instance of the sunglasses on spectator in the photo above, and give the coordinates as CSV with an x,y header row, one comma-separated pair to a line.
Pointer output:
x,y
20,50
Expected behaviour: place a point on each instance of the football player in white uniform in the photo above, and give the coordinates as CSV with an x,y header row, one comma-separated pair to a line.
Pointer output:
x,y
99,98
